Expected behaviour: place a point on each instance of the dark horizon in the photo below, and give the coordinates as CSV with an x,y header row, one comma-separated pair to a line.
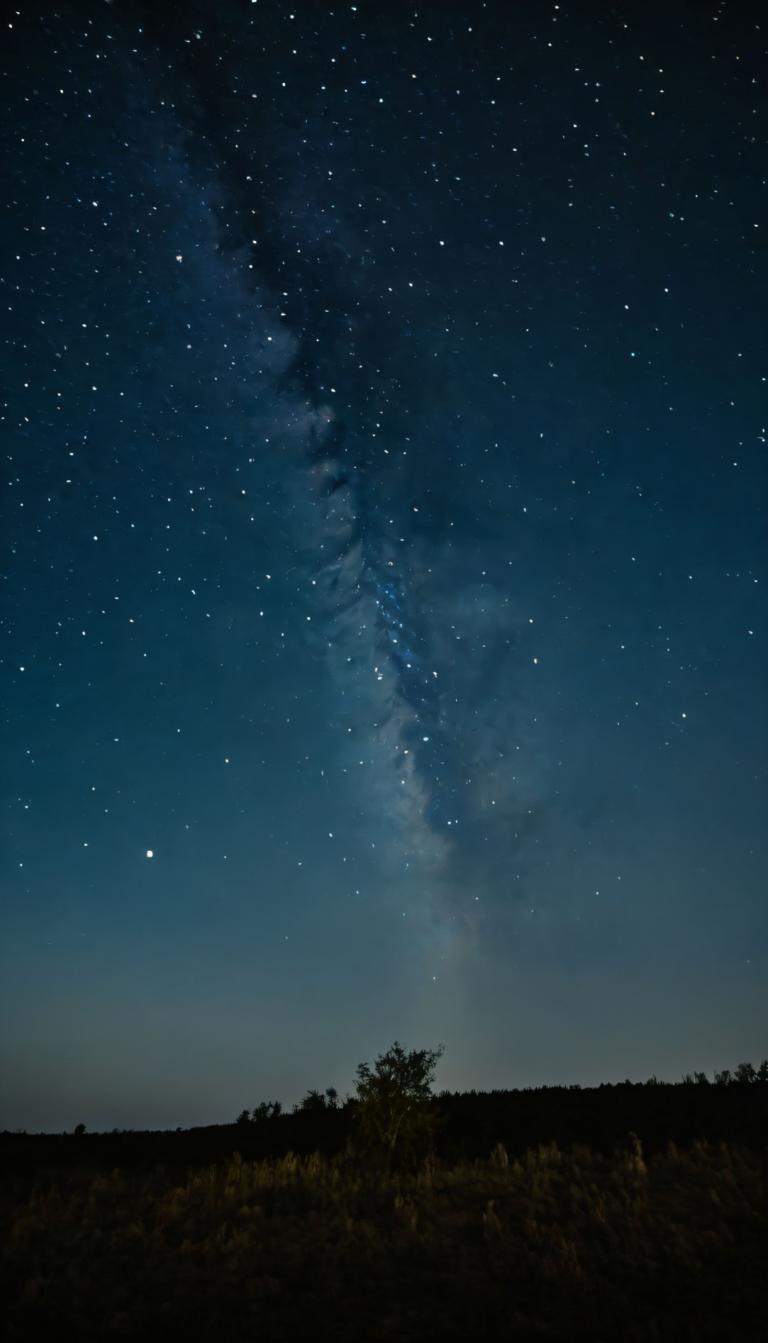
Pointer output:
x,y
719,1079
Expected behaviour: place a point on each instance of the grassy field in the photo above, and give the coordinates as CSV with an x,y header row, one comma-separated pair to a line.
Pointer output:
x,y
564,1244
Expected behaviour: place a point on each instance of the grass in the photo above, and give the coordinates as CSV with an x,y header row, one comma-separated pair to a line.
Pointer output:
x,y
557,1244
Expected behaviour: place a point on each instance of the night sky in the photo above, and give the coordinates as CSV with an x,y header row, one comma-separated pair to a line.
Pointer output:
x,y
383,548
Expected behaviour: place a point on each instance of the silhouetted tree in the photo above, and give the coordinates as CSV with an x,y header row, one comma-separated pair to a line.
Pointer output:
x,y
745,1072
266,1110
313,1103
79,1130
393,1098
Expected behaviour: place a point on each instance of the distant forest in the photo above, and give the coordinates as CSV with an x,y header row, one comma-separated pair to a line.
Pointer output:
x,y
466,1126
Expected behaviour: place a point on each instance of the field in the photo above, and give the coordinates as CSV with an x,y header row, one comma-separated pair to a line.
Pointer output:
x,y
559,1243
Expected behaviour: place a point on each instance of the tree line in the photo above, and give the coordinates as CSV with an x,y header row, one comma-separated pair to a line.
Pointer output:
x,y
394,1116
394,1111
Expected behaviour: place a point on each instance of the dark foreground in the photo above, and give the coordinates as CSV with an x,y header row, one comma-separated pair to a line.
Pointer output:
x,y
555,1244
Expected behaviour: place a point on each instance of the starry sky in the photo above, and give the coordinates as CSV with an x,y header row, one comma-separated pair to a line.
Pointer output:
x,y
383,548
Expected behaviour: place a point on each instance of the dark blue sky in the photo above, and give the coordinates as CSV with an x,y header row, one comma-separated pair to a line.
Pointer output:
x,y
383,600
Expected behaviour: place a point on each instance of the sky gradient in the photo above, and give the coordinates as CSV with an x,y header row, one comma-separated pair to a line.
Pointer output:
x,y
384,549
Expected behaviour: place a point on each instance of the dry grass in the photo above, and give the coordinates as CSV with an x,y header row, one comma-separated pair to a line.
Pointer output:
x,y
556,1245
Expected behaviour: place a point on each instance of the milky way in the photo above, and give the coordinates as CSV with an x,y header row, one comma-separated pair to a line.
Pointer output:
x,y
350,415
